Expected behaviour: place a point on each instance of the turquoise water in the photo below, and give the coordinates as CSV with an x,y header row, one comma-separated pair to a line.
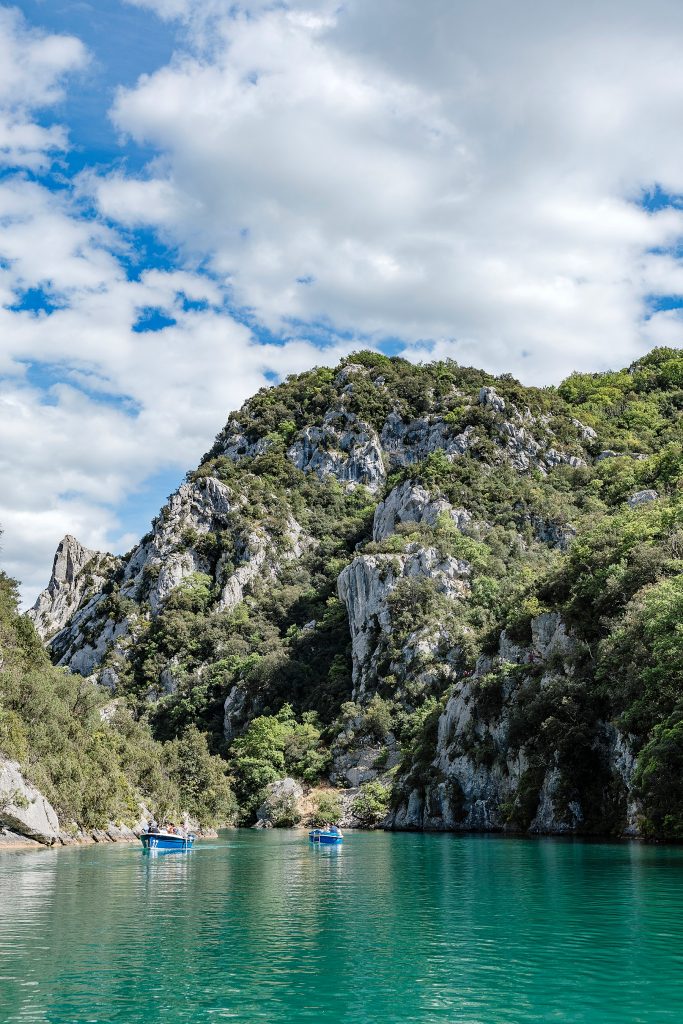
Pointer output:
x,y
263,927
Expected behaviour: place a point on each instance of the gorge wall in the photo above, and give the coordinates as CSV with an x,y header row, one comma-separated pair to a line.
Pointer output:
x,y
441,594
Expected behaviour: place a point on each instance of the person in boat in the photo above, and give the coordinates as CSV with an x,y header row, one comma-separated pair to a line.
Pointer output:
x,y
153,827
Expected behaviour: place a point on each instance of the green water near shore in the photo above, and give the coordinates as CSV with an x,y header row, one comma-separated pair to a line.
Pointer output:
x,y
397,928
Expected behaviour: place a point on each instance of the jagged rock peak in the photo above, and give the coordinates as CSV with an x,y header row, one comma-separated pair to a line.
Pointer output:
x,y
68,584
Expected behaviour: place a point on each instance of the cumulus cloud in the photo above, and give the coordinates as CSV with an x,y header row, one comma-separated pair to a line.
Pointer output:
x,y
464,178
33,67
93,401
106,377
464,174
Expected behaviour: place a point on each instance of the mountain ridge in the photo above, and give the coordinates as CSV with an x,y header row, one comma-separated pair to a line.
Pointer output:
x,y
390,555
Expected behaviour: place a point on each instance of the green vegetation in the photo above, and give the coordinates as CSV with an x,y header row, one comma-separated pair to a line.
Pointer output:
x,y
90,757
553,537
327,809
272,747
371,805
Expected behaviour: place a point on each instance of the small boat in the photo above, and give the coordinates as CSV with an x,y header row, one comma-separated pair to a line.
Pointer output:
x,y
326,835
163,840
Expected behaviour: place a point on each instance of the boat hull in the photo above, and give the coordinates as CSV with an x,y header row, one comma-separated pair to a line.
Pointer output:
x,y
325,838
152,841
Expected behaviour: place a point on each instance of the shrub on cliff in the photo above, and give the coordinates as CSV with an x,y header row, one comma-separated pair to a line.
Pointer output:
x,y
371,805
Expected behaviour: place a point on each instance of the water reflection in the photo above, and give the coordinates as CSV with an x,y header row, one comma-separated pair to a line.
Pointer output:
x,y
402,928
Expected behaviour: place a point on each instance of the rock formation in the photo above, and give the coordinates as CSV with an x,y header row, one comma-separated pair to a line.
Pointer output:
x,y
417,503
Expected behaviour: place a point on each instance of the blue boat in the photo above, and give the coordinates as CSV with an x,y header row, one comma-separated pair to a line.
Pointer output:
x,y
328,836
163,840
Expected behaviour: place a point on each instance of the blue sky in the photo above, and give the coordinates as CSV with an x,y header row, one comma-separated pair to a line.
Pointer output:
x,y
124,42
198,198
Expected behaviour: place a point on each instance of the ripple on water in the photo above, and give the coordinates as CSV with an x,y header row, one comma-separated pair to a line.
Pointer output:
x,y
399,928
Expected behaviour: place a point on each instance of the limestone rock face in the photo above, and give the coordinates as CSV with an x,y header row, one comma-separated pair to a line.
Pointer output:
x,y
412,503
550,819
586,433
405,442
233,711
489,398
365,585
471,792
23,809
282,802
624,762
556,535
98,631
343,447
76,572
642,498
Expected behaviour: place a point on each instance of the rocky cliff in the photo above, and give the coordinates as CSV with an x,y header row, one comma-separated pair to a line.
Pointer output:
x,y
435,570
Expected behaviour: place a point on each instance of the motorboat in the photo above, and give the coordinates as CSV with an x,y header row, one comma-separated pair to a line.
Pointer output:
x,y
327,836
162,839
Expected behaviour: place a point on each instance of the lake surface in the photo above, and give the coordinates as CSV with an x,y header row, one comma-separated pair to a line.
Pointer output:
x,y
260,926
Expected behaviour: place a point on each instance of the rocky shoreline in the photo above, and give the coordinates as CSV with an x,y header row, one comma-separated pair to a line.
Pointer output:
x,y
28,820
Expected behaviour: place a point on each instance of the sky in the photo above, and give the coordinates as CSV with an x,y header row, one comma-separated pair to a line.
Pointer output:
x,y
199,197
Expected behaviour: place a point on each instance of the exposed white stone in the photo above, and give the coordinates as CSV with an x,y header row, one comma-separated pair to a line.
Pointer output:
x,y
282,798
233,711
365,585
557,535
472,794
347,373
76,571
409,442
642,498
554,458
587,433
549,816
489,398
412,503
23,808
624,761
343,447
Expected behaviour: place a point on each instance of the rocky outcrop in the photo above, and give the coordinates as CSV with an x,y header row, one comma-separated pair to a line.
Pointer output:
x,y
24,810
490,399
27,818
412,503
343,447
281,804
77,571
642,498
585,433
105,618
480,776
365,585
406,442
556,535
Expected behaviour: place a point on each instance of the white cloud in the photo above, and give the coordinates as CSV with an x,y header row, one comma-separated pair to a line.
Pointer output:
x,y
90,407
464,172
33,67
461,176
